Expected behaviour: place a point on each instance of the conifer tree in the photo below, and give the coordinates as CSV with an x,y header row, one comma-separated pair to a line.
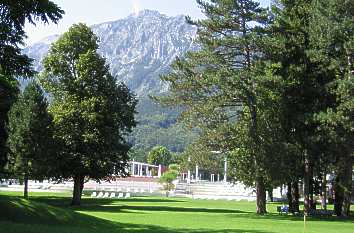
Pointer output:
x,y
14,15
332,30
8,95
307,37
30,135
221,77
301,95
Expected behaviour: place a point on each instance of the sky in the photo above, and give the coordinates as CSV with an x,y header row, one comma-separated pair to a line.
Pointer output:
x,y
99,11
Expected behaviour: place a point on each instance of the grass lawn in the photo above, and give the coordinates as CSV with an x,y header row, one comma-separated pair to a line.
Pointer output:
x,y
50,213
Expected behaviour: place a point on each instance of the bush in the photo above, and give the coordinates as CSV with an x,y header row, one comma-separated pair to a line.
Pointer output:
x,y
167,178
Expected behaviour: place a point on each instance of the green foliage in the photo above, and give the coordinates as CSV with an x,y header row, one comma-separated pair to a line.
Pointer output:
x,y
30,133
220,81
159,155
167,179
8,94
14,15
309,42
202,154
174,167
92,113
334,50
274,89
333,29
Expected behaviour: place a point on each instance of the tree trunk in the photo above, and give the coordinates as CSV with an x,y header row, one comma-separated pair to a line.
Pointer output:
x,y
290,197
270,194
338,196
77,192
261,196
343,187
281,190
312,200
82,185
25,190
324,192
307,204
296,196
347,187
260,186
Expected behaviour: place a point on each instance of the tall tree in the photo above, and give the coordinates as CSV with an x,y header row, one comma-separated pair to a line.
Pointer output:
x,y
8,94
332,31
303,89
92,113
312,41
220,78
13,16
30,135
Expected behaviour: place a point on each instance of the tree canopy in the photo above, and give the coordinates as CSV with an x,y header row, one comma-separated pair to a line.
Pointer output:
x,y
14,14
92,113
159,155
273,89
220,80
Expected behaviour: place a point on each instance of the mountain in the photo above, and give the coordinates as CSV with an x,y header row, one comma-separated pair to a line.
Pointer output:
x,y
138,48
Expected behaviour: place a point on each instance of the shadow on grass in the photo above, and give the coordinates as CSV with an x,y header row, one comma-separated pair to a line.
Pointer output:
x,y
119,208
114,206
19,215
65,201
333,218
46,214
143,199
105,226
279,217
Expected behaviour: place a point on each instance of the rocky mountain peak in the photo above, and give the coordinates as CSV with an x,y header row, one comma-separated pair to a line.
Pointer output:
x,y
138,48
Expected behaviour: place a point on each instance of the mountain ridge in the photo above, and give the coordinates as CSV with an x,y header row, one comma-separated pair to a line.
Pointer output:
x,y
138,48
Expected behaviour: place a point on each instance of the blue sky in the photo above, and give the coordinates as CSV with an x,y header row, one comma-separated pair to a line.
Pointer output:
x,y
99,11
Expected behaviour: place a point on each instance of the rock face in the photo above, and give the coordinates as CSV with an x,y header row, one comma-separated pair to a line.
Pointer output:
x,y
138,48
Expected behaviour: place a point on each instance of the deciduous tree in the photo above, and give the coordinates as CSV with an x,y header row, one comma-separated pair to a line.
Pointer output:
x,y
92,112
159,155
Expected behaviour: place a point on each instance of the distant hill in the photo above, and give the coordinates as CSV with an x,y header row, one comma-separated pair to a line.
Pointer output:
x,y
139,49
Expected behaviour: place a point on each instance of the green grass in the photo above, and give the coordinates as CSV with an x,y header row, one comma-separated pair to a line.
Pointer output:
x,y
48,212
